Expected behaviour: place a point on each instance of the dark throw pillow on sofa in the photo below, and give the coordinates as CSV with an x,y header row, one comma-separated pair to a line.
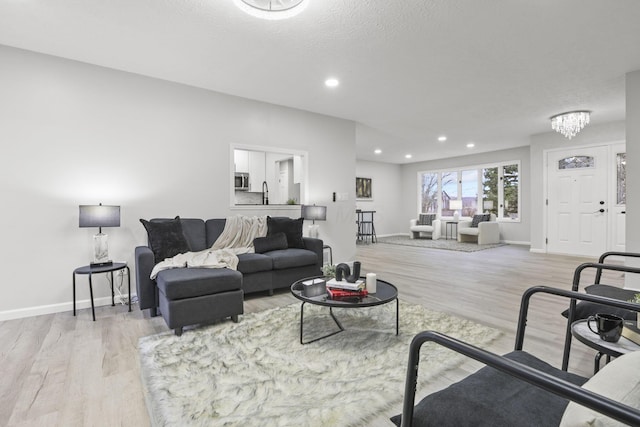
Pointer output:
x,y
426,219
292,228
477,219
165,238
270,243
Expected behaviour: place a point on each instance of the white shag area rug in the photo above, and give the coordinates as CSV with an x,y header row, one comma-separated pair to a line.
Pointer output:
x,y
256,372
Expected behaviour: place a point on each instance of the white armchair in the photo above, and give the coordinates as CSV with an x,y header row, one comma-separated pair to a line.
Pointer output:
x,y
435,229
486,232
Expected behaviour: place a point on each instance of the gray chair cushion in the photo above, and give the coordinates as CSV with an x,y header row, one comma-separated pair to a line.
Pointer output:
x,y
178,283
291,258
253,263
493,399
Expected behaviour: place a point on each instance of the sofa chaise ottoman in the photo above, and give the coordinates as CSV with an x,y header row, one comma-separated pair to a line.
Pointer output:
x,y
189,296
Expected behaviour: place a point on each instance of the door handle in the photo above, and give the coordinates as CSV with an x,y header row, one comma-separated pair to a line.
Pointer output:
x,y
599,211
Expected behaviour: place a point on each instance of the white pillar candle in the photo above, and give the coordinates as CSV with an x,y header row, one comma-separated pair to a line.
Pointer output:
x,y
371,283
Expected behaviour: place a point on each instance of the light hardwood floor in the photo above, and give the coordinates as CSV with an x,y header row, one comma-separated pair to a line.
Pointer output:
x,y
60,370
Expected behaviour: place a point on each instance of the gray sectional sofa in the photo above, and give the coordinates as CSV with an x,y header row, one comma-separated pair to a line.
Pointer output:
x,y
188,296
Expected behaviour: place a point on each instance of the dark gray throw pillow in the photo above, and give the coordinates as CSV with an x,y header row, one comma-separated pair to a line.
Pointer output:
x,y
584,309
477,219
292,228
270,243
426,219
165,238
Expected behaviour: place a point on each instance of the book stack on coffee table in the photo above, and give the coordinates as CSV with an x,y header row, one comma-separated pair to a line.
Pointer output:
x,y
343,289
631,331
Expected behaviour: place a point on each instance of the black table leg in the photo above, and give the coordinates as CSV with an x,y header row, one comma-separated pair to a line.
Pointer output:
x,y
335,319
596,363
129,280
397,317
74,293
113,297
93,309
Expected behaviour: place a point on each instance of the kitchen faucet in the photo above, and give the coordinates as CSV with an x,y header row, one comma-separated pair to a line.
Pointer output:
x,y
265,193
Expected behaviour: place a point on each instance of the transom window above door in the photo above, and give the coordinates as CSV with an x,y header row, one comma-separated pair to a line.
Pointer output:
x,y
576,162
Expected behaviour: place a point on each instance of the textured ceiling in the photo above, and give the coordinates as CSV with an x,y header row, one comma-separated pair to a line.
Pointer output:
x,y
488,72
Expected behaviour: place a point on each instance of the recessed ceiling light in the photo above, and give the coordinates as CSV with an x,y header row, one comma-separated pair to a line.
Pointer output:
x,y
442,138
408,156
331,82
377,151
471,145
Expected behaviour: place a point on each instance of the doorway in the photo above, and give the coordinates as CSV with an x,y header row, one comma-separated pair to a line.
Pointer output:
x,y
584,208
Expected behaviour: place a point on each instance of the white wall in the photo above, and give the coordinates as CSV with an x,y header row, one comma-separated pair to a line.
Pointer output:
x,y
590,135
76,134
386,188
515,232
632,226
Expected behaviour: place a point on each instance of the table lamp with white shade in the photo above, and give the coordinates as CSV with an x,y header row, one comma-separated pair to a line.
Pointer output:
x,y
455,205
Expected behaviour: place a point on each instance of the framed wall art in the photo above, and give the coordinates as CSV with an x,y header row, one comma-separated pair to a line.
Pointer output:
x,y
363,189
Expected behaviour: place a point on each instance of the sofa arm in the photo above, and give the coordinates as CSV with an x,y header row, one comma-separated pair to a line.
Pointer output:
x,y
146,288
413,223
317,246
437,229
488,232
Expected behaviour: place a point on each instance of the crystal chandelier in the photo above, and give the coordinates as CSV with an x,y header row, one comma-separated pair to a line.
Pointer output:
x,y
272,9
569,124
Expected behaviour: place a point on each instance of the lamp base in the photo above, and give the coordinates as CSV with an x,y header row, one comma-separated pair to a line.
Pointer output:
x,y
100,249
313,231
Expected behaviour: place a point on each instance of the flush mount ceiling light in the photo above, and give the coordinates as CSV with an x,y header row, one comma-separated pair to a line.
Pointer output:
x,y
377,151
331,82
570,123
471,145
408,156
272,9
442,138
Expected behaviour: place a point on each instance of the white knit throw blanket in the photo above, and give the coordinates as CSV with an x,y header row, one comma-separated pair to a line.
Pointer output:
x,y
236,238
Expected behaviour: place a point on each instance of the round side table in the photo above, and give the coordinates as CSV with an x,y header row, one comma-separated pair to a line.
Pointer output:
x,y
581,331
91,270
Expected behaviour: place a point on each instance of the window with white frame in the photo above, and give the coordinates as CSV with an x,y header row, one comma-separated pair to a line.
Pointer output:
x,y
491,188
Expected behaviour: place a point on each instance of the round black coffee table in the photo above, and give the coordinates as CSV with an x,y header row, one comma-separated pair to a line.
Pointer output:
x,y
385,293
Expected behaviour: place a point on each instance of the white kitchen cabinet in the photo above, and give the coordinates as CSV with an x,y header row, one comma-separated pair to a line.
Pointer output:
x,y
256,170
241,160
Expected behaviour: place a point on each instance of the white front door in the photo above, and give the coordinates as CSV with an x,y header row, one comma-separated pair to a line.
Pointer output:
x,y
577,198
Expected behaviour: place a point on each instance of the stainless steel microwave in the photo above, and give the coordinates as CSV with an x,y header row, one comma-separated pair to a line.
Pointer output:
x,y
242,181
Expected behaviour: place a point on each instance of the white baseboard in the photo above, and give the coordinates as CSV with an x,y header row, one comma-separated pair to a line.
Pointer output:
x,y
516,242
392,234
56,308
